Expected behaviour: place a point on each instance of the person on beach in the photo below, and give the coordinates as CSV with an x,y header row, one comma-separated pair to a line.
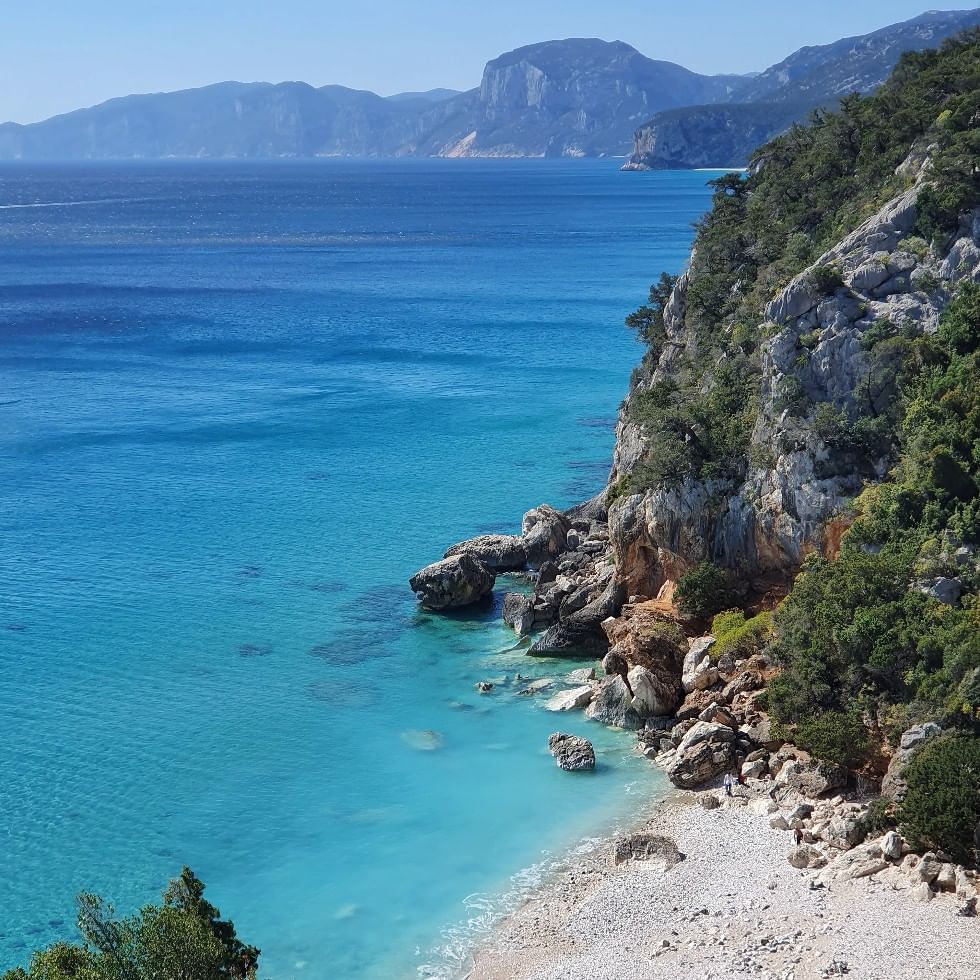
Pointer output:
x,y
798,836
728,783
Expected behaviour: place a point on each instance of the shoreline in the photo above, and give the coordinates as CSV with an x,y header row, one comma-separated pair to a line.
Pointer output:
x,y
733,906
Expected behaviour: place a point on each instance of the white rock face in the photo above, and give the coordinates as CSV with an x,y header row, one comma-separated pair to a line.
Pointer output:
x,y
781,509
577,697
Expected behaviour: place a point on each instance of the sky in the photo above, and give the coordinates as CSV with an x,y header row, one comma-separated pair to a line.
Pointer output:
x,y
58,55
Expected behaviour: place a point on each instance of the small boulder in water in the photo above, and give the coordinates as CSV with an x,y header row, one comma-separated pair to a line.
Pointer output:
x,y
573,754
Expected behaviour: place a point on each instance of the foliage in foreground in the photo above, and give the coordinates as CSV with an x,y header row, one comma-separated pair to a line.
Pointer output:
x,y
183,938
941,809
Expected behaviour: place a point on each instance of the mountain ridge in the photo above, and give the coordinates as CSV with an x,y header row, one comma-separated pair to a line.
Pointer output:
x,y
576,97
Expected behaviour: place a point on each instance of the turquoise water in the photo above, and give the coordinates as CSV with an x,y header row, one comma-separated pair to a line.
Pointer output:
x,y
239,406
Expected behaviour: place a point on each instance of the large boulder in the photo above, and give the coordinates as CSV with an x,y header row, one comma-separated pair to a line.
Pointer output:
x,y
613,705
859,862
893,784
518,612
580,634
653,695
697,672
706,750
572,753
499,552
811,777
452,582
543,533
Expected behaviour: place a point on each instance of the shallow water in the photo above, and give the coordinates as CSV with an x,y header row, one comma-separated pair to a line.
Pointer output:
x,y
239,405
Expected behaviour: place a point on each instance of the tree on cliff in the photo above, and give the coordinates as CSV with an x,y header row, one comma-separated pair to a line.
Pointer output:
x,y
181,939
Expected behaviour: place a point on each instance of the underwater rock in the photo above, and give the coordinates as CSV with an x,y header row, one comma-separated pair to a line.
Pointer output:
x,y
424,741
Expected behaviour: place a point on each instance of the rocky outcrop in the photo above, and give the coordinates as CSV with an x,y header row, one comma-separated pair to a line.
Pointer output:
x,y
893,784
577,697
452,582
572,753
543,534
613,705
499,552
795,484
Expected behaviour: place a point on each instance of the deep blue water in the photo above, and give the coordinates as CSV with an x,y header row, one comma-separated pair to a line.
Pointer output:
x,y
239,405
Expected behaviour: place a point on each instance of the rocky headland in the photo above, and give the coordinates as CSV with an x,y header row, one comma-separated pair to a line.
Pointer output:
x,y
759,449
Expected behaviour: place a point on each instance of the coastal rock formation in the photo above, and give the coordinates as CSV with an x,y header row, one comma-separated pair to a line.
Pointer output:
x,y
572,753
613,705
796,484
577,697
452,582
499,552
543,532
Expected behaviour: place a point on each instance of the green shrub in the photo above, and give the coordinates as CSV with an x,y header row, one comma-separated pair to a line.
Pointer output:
x,y
836,736
826,278
741,637
878,818
704,590
941,808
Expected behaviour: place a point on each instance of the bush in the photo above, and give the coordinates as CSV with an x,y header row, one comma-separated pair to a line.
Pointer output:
x,y
879,818
836,736
741,637
704,590
826,278
941,809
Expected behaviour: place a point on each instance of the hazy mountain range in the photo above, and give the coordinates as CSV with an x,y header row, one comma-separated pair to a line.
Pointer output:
x,y
575,97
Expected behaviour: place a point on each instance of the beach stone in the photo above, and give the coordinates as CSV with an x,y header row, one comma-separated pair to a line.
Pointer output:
x,y
580,676
922,893
577,697
499,552
811,778
860,862
806,856
928,868
572,753
613,705
452,582
755,769
709,801
696,656
652,696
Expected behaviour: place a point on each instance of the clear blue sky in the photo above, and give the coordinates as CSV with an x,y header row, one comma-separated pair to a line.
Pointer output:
x,y
57,55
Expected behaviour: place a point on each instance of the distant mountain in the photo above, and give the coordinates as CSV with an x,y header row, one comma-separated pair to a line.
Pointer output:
x,y
765,105
578,97
432,95
575,97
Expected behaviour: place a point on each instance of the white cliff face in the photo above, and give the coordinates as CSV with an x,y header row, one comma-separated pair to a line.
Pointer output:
x,y
787,504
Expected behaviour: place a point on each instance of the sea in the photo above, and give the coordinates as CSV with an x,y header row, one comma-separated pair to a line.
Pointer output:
x,y
240,404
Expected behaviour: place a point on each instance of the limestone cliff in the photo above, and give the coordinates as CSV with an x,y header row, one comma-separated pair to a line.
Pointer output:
x,y
797,485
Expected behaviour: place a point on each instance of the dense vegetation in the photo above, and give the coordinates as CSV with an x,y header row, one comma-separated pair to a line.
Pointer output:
x,y
942,804
855,632
183,938
806,190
